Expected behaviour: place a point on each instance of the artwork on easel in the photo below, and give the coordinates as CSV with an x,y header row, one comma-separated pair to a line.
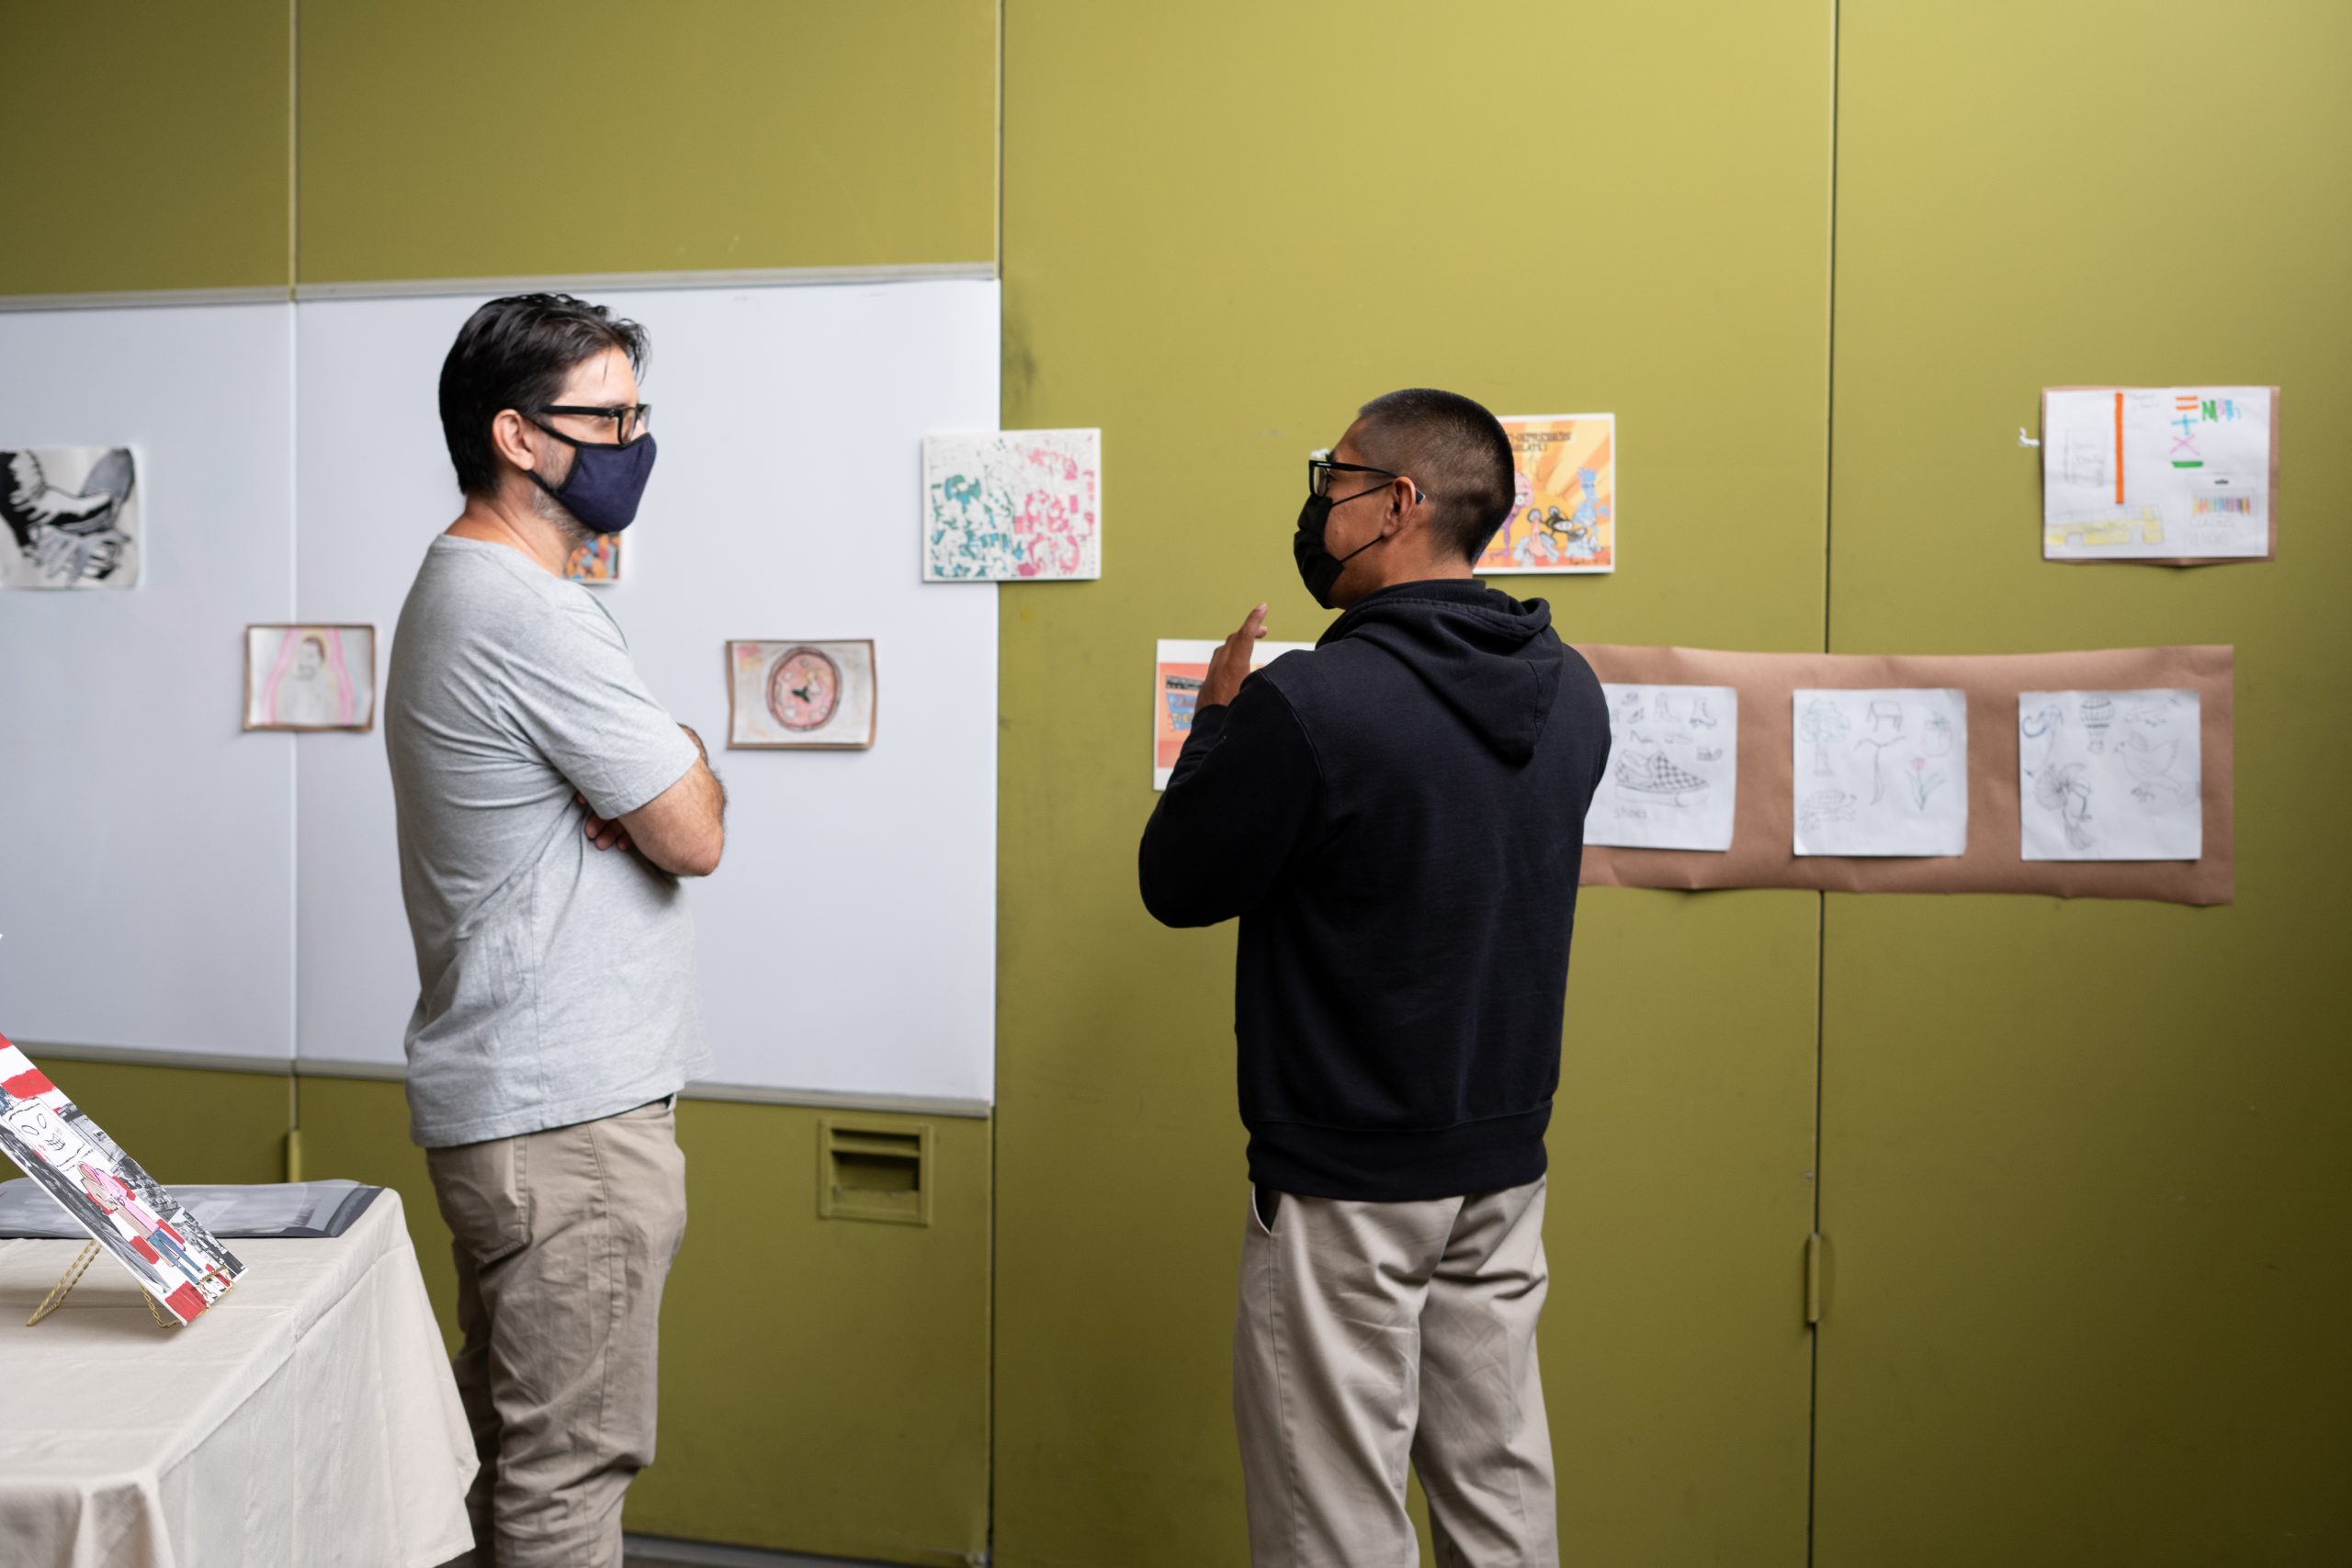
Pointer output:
x,y
126,1212
310,677
1563,514
596,562
72,517
787,695
1012,506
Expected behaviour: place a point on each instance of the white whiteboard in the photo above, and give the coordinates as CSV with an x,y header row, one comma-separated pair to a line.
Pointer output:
x,y
848,940
147,859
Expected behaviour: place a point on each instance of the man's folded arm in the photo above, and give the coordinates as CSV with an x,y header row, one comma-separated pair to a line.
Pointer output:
x,y
1236,804
683,828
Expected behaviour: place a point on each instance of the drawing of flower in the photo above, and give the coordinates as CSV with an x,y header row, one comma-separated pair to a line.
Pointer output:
x,y
1923,783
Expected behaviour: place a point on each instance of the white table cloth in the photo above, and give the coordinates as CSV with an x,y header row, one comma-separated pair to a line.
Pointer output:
x,y
307,1419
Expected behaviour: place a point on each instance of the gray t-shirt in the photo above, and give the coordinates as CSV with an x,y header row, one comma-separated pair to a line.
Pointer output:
x,y
556,980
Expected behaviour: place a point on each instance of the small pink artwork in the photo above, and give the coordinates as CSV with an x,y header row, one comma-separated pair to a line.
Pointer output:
x,y
310,677
1012,506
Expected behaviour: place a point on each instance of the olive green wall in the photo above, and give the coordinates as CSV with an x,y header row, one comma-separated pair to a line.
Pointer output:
x,y
184,1124
1227,225
147,142
453,138
2079,1160
443,139
2084,1164
824,1381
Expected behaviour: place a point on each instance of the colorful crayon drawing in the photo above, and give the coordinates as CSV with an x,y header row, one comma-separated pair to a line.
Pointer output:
x,y
310,677
1182,664
1012,506
137,1220
598,561
1565,517
783,694
2157,473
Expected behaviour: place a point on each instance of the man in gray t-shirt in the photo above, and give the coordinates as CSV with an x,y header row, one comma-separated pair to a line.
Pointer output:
x,y
548,807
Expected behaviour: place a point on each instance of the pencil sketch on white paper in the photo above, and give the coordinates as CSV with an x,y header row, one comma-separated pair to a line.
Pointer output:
x,y
2110,776
1673,771
1881,771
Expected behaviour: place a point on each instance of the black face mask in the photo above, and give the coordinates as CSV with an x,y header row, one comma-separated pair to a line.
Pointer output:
x,y
606,482
1319,567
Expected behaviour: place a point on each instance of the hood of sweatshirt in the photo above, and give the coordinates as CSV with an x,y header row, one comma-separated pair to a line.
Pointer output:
x,y
1485,655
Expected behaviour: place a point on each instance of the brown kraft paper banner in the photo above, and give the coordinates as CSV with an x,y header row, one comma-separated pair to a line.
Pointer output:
x,y
1762,853
2271,501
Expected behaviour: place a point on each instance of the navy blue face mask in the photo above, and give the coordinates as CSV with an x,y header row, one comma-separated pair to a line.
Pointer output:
x,y
606,482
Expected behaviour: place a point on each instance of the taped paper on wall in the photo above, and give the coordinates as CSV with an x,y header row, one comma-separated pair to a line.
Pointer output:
x,y
1182,664
71,517
1012,506
1673,769
2157,473
1881,771
1564,515
2110,776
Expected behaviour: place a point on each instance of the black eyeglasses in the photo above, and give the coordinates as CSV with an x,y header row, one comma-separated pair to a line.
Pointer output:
x,y
1321,467
629,420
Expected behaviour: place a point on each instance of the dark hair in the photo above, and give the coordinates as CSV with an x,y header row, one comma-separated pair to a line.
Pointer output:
x,y
1455,450
514,353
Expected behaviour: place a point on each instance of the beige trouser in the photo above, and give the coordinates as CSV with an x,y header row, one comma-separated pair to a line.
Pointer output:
x,y
1371,1334
562,1239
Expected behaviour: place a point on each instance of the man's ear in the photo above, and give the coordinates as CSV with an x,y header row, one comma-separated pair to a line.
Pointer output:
x,y
510,433
1404,494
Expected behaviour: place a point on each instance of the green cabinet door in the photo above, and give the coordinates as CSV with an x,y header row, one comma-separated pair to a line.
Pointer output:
x,y
2083,1164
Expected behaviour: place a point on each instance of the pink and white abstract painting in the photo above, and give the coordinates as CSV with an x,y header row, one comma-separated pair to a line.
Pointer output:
x,y
1012,506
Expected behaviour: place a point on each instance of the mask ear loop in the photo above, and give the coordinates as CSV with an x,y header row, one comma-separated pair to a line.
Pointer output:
x,y
1381,538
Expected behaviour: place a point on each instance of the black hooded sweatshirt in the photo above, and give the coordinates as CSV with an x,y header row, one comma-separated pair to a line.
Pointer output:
x,y
1398,818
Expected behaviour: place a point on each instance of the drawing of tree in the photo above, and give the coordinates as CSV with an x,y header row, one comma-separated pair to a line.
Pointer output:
x,y
1824,725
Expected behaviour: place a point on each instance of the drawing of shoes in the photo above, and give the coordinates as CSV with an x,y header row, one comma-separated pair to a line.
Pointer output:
x,y
1651,776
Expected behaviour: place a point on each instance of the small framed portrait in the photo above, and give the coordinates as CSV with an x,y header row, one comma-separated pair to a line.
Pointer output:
x,y
310,678
783,694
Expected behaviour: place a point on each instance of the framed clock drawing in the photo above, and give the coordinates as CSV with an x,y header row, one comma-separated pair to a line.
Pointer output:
x,y
783,694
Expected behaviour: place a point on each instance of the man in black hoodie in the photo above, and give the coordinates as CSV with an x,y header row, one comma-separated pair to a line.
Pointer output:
x,y
1398,820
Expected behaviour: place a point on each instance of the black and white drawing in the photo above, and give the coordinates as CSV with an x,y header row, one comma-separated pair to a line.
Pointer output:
x,y
1881,771
2110,776
1673,769
72,515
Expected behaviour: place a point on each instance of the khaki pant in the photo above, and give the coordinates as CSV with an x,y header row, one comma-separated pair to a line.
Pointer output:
x,y
563,1239
1370,1335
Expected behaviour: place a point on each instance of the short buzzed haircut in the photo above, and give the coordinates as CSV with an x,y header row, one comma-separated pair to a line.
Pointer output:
x,y
516,352
1455,450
